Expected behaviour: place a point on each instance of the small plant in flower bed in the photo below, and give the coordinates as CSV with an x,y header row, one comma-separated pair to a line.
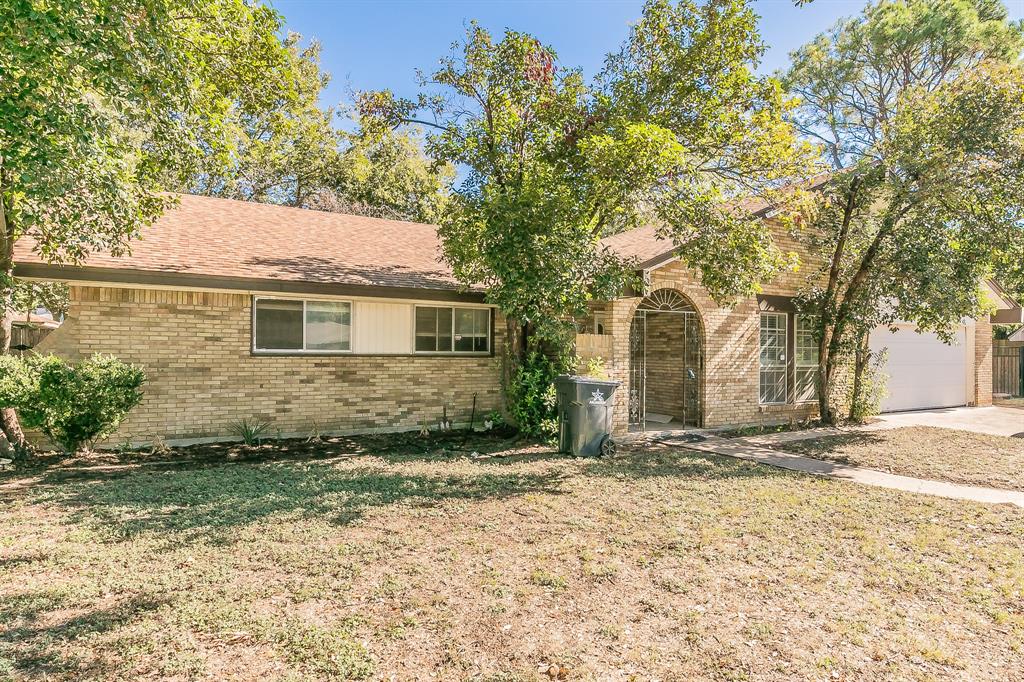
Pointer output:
x,y
492,420
251,431
764,429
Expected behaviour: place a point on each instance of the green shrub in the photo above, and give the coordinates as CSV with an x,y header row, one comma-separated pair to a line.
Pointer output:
x,y
76,405
532,395
595,369
16,384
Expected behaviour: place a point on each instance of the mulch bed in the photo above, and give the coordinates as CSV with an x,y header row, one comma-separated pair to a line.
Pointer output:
x,y
499,442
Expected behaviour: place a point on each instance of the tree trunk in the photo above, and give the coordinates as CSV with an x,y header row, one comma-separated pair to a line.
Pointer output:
x,y
824,381
831,327
515,349
9,423
827,366
860,364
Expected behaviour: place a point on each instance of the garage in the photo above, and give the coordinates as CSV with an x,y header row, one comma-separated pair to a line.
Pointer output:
x,y
923,372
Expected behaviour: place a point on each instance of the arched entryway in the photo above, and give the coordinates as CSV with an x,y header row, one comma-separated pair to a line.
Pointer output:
x,y
666,363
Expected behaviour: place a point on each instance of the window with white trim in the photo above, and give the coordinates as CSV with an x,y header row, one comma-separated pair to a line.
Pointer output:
x,y
472,330
301,326
773,374
805,359
452,330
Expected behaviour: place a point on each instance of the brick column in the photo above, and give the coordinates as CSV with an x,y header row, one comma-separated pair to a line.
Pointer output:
x,y
621,319
982,362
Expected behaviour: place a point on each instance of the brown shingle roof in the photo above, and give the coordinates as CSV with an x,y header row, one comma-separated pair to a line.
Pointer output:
x,y
644,244
648,248
641,243
224,238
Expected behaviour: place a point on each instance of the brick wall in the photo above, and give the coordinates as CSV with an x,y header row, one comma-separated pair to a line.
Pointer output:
x,y
731,368
195,348
982,362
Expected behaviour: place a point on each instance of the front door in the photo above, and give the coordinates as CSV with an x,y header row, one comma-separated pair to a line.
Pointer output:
x,y
666,364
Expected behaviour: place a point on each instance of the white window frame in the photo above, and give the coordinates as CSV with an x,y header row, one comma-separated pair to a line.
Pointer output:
x,y
453,308
784,367
302,351
797,366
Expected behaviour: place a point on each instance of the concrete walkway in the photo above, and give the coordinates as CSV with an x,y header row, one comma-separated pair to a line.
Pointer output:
x,y
741,448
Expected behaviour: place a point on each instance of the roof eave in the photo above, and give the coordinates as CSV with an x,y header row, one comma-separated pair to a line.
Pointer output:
x,y
1009,311
658,261
1007,316
178,280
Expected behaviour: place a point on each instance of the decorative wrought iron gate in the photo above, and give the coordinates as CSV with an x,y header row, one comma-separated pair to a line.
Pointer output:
x,y
672,302
638,370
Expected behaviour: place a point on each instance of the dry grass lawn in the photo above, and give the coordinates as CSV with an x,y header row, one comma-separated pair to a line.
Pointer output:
x,y
659,564
925,452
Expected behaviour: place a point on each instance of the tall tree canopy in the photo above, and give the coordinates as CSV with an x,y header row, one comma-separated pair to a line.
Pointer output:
x,y
676,123
273,143
101,102
917,107
277,144
388,175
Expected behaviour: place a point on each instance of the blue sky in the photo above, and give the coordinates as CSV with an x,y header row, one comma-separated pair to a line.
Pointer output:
x,y
379,44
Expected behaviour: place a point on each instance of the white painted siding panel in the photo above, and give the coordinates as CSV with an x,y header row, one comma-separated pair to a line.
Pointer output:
x,y
923,372
382,327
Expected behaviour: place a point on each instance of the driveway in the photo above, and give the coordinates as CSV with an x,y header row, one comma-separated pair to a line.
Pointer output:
x,y
996,421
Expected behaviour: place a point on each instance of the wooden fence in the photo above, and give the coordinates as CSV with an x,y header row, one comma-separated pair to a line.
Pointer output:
x,y
1006,367
591,346
25,337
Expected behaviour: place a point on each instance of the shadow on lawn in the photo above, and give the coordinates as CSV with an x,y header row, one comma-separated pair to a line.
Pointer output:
x,y
36,649
200,501
203,503
668,461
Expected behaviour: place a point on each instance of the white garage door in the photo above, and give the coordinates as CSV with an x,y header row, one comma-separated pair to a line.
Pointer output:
x,y
923,372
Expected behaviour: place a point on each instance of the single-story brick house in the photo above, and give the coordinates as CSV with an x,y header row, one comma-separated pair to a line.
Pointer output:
x,y
339,323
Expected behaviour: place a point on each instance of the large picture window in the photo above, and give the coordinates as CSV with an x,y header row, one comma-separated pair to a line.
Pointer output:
x,y
805,359
289,325
453,330
773,373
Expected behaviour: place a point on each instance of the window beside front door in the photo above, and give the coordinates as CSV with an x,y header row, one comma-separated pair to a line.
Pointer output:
x,y
805,354
773,344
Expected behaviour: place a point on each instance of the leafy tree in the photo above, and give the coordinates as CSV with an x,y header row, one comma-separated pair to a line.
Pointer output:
x,y
916,105
675,124
29,295
1010,271
277,145
388,176
101,102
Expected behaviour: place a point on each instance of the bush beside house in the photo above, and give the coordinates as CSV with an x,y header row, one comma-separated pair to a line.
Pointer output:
x,y
73,405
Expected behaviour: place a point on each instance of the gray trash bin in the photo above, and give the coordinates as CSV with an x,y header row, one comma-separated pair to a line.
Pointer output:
x,y
585,415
